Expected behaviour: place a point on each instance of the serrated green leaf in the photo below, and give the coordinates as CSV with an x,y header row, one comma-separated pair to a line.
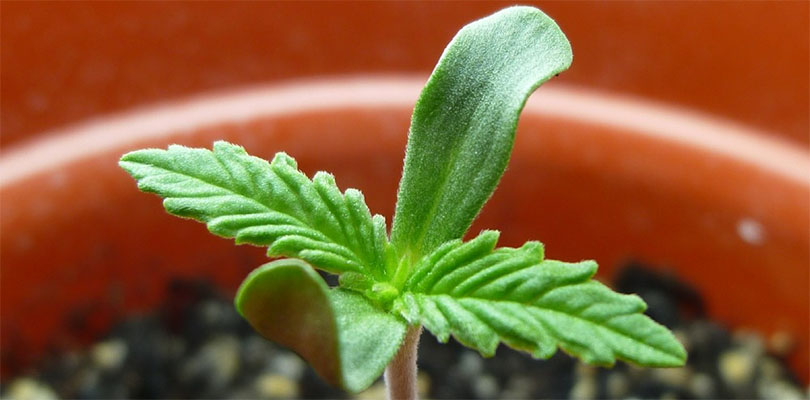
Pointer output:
x,y
464,123
338,332
267,204
459,143
483,297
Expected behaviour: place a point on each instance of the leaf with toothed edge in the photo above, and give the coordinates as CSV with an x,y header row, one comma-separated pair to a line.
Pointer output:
x,y
483,296
267,204
459,143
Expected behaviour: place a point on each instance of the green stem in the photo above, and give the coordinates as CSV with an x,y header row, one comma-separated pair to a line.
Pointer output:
x,y
400,375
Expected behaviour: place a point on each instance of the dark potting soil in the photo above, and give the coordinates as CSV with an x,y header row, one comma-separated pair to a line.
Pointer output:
x,y
197,346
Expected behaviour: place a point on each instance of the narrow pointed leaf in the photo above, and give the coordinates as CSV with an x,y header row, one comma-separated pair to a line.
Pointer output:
x,y
267,204
338,332
464,123
483,297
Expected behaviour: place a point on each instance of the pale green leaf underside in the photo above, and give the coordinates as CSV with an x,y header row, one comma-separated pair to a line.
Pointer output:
x,y
464,122
345,338
267,204
483,296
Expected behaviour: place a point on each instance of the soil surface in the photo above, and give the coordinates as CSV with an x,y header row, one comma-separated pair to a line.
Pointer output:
x,y
197,346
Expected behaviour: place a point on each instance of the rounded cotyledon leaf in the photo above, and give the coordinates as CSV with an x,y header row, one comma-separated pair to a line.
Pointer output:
x,y
463,125
340,333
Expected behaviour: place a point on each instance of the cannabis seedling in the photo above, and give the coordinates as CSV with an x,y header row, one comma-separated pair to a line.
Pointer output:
x,y
423,275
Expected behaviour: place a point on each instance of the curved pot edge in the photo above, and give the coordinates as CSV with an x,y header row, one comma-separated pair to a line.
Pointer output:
x,y
641,116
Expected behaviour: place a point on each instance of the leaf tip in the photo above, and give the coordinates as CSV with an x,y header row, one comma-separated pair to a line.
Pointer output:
x,y
324,178
678,354
127,165
137,156
221,146
535,249
127,157
487,238
354,194
282,158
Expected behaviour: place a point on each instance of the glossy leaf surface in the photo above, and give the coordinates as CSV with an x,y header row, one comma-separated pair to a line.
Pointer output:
x,y
267,204
339,333
483,296
463,126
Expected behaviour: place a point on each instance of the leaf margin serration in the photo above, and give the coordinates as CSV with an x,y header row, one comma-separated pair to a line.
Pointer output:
x,y
559,302
264,203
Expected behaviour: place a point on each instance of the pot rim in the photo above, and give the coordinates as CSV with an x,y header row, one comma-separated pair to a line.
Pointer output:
x,y
635,116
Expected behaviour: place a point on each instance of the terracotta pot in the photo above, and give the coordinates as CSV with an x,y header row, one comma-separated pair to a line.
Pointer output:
x,y
592,176
67,61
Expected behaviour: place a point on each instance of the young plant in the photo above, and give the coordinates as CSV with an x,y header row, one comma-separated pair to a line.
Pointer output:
x,y
423,274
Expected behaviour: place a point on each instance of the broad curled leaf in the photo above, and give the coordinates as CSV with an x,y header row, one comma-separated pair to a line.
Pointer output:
x,y
267,204
464,122
340,333
483,296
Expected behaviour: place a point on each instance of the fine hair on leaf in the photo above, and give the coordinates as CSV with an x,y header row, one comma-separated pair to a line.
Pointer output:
x,y
422,274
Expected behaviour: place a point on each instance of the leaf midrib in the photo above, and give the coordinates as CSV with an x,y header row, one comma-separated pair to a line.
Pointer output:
x,y
601,325
254,200
449,166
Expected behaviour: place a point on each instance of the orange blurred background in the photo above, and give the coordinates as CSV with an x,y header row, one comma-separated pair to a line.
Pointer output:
x,y
63,62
